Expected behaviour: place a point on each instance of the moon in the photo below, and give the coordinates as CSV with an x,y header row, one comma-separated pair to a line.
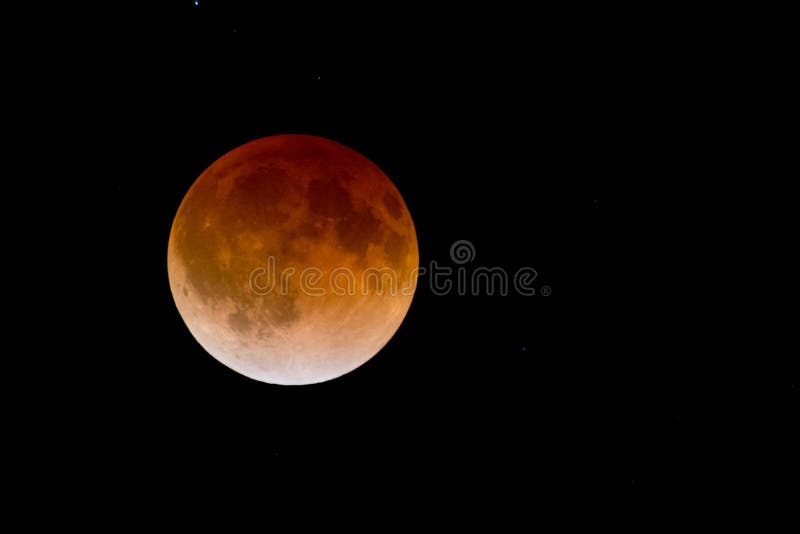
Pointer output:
x,y
293,259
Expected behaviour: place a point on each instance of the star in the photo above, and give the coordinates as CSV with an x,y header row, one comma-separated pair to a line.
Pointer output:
x,y
196,3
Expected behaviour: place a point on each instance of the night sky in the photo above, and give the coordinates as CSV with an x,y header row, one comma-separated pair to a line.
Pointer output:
x,y
550,141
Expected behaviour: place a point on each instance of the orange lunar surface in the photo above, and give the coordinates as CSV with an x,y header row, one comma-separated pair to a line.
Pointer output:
x,y
292,259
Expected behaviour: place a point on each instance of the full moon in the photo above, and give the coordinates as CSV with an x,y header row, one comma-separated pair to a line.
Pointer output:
x,y
293,259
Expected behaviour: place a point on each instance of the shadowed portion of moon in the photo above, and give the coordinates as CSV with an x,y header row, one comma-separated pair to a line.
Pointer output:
x,y
307,202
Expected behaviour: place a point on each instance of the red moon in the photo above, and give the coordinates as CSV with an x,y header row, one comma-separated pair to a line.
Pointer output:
x,y
293,259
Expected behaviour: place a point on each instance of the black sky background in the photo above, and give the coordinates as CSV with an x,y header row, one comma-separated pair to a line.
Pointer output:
x,y
572,142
